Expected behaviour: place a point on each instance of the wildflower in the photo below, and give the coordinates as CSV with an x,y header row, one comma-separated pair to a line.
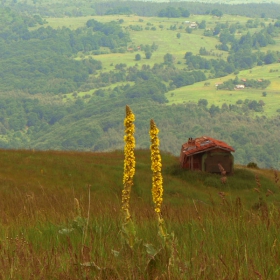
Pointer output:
x,y
157,183
128,229
129,160
157,188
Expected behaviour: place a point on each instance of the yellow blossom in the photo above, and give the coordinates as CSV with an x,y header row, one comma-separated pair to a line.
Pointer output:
x,y
157,182
129,160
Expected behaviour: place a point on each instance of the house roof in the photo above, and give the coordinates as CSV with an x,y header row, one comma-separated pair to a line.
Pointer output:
x,y
202,144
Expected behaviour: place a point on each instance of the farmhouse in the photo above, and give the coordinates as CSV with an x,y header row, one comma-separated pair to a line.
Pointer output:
x,y
218,84
193,24
239,86
205,153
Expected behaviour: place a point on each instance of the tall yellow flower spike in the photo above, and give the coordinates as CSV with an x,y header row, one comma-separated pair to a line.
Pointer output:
x,y
128,229
129,160
157,183
157,189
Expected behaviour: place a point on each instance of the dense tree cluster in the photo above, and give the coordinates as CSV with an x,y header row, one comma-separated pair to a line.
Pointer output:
x,y
172,12
39,61
119,11
74,8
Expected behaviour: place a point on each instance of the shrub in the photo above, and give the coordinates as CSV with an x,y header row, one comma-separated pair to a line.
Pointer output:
x,y
252,165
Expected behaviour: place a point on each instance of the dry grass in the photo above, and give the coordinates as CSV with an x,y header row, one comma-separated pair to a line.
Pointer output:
x,y
41,234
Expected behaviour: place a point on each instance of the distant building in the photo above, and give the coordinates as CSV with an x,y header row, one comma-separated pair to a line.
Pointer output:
x,y
205,154
193,25
239,86
218,84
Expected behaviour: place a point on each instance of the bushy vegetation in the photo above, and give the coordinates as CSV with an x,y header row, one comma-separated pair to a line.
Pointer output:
x,y
94,124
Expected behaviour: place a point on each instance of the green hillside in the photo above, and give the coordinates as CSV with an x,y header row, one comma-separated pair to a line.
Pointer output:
x,y
61,218
66,77
209,90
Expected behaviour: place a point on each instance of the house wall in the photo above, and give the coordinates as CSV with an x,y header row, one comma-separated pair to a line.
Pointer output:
x,y
211,160
193,162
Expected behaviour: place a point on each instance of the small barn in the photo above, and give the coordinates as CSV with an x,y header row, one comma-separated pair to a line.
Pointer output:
x,y
205,154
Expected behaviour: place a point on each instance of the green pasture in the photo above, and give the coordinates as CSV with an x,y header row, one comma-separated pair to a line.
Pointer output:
x,y
163,37
211,21
198,91
178,48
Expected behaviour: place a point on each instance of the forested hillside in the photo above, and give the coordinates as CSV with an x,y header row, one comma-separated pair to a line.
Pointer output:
x,y
98,126
147,8
66,87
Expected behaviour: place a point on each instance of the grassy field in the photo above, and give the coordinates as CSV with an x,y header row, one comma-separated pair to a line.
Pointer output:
x,y
199,91
61,219
163,37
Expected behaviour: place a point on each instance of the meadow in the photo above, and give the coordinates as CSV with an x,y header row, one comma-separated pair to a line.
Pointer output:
x,y
162,36
209,91
61,219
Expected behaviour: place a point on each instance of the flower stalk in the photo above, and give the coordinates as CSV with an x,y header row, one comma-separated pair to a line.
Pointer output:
x,y
129,171
157,181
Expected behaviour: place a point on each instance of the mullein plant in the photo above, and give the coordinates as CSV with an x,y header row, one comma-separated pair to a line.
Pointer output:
x,y
168,253
128,229
157,181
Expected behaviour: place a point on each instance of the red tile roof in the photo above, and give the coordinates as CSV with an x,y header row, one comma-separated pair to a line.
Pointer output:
x,y
204,143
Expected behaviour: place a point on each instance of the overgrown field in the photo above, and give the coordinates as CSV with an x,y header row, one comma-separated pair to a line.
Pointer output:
x,y
60,219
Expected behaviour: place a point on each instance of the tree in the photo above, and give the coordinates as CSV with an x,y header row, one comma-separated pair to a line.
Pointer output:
x,y
277,23
178,35
225,107
170,12
32,119
202,25
203,51
185,13
270,58
189,30
202,102
137,57
148,54
168,59
216,13
214,110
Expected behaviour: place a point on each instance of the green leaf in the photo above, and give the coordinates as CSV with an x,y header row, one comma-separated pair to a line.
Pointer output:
x,y
151,250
